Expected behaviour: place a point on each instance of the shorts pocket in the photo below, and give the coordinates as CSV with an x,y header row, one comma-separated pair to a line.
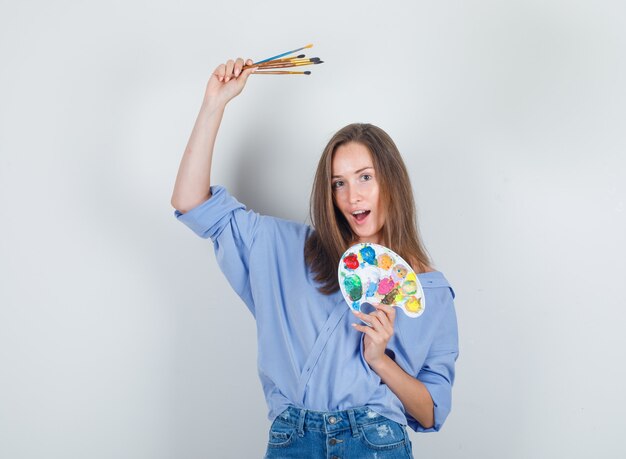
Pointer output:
x,y
282,434
383,435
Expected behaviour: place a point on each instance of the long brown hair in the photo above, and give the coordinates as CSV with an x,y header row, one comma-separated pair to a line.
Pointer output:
x,y
333,236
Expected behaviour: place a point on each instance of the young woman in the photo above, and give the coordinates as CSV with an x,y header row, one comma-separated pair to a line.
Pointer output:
x,y
334,387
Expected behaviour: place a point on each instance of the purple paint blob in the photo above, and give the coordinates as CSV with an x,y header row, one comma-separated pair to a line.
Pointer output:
x,y
399,272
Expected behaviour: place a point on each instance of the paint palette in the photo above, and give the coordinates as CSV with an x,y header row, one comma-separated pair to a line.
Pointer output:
x,y
371,273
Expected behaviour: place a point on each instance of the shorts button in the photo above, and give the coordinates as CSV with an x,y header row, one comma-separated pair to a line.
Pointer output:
x,y
333,441
332,419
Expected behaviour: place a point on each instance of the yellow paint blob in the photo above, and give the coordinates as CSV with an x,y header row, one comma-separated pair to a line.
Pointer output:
x,y
384,261
413,305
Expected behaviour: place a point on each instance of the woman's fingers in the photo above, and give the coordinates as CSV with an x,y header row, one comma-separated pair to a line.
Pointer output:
x,y
232,69
372,319
246,73
367,330
229,70
220,72
387,315
390,310
221,88
238,66
381,320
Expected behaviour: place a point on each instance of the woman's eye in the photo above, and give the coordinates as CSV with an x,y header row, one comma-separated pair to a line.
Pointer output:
x,y
366,177
337,184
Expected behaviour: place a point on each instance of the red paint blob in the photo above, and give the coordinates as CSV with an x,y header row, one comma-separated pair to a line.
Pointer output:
x,y
351,261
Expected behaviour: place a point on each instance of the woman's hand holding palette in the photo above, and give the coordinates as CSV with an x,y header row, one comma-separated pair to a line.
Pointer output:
x,y
371,273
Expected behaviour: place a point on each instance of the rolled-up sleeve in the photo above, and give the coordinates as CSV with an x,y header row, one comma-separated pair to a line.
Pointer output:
x,y
437,373
232,229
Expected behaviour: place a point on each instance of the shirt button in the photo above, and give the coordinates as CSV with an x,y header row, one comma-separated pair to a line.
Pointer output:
x,y
332,419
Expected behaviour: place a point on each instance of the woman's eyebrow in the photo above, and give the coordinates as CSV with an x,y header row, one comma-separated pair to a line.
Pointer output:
x,y
356,172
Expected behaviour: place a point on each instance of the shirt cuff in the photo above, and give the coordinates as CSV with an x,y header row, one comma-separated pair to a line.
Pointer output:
x,y
440,390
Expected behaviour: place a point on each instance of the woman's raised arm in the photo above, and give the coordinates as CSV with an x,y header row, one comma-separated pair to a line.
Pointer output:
x,y
194,174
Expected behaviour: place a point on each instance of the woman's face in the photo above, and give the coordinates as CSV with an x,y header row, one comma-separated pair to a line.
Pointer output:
x,y
356,191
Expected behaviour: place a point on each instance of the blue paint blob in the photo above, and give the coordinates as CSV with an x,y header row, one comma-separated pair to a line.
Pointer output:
x,y
369,255
356,306
371,289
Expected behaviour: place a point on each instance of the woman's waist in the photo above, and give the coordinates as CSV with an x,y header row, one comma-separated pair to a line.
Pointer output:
x,y
330,421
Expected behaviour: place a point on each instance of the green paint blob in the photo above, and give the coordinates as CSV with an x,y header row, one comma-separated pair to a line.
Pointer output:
x,y
353,287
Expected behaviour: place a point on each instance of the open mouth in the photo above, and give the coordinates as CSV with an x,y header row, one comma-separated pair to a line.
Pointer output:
x,y
360,215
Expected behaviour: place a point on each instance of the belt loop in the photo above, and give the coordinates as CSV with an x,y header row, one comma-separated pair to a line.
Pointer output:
x,y
353,426
301,423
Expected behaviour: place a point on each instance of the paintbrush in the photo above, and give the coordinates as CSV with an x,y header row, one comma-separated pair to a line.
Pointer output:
x,y
283,72
299,56
286,62
289,59
288,65
283,54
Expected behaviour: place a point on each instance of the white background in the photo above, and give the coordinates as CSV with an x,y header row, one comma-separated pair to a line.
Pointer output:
x,y
119,336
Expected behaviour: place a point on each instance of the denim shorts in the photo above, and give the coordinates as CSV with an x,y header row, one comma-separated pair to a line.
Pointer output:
x,y
356,433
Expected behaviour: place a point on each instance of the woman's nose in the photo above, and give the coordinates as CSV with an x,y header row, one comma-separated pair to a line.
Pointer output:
x,y
354,195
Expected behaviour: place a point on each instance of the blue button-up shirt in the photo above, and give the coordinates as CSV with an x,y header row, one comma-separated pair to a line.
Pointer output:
x,y
309,355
